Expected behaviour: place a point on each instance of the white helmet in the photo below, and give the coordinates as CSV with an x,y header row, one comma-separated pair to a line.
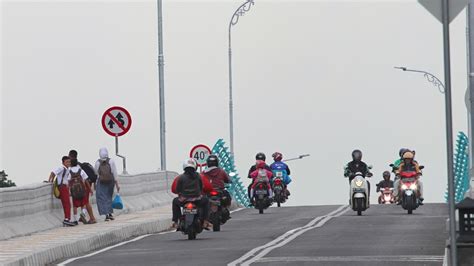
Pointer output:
x,y
190,163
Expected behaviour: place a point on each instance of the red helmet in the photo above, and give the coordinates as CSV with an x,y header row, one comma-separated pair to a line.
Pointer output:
x,y
277,156
260,164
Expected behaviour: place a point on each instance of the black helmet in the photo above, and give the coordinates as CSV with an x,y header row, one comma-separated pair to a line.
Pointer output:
x,y
260,156
212,160
402,151
386,174
356,155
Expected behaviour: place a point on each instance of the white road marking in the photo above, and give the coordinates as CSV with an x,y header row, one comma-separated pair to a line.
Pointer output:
x,y
401,258
258,252
111,247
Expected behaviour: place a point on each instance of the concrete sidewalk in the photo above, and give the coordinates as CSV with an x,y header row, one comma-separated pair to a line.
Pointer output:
x,y
64,242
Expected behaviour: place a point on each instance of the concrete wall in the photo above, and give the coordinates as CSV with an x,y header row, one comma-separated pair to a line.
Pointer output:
x,y
33,208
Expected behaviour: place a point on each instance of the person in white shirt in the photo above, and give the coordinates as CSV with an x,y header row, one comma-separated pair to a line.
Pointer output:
x,y
62,175
80,190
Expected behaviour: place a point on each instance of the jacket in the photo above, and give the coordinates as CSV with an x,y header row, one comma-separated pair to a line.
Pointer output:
x,y
353,167
383,184
190,185
254,167
280,166
411,167
217,177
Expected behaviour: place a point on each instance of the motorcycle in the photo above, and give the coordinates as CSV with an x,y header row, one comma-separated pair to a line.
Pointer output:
x,y
409,191
359,200
386,196
279,191
218,213
190,224
261,198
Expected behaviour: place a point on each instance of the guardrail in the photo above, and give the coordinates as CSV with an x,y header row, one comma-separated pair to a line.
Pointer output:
x,y
29,209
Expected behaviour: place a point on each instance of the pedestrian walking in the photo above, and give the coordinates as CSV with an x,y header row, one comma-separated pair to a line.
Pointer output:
x,y
106,181
61,174
80,190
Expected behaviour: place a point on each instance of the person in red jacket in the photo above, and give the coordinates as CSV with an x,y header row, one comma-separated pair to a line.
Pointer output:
x,y
218,179
261,173
190,186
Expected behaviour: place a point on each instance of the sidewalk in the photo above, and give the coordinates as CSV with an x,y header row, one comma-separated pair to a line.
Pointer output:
x,y
64,242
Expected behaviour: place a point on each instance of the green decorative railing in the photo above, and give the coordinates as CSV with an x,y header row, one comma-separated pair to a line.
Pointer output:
x,y
226,160
461,168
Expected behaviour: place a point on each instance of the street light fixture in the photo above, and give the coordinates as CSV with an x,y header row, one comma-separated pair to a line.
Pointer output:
x,y
297,158
245,7
430,77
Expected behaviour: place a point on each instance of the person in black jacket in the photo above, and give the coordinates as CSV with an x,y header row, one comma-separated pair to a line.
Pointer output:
x,y
386,182
355,166
259,157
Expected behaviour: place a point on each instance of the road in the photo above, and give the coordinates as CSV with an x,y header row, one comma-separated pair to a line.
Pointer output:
x,y
319,235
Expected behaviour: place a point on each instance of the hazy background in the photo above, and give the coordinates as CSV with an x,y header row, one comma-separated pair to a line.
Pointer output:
x,y
309,77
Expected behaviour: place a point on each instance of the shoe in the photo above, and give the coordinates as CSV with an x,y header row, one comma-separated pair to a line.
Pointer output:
x,y
174,225
399,202
420,201
92,222
75,223
207,225
68,223
107,218
83,218
111,217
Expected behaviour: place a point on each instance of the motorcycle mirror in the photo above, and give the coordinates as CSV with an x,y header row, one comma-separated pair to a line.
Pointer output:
x,y
391,165
232,174
422,167
370,167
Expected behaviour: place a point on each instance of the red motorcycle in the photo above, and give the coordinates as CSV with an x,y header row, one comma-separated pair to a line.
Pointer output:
x,y
409,193
386,196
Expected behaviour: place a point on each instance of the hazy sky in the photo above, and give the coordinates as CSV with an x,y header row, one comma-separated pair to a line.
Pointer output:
x,y
309,77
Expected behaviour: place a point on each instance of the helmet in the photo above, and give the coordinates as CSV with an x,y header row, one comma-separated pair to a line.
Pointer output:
x,y
277,156
402,151
260,164
408,155
190,163
260,156
357,155
212,160
386,175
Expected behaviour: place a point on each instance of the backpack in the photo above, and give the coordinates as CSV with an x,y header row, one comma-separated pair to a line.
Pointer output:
x,y
89,170
105,172
78,189
56,191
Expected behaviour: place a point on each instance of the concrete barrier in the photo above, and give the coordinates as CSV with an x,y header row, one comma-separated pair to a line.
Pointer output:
x,y
29,209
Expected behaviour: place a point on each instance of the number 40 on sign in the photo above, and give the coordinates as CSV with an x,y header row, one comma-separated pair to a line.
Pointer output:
x,y
200,153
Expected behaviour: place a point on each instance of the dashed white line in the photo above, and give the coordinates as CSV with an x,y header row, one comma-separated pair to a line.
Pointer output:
x,y
258,252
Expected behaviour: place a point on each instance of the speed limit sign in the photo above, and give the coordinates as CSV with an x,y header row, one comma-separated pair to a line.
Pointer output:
x,y
200,153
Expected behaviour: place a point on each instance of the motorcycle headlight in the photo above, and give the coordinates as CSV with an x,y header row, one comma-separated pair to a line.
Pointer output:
x,y
359,183
413,186
404,187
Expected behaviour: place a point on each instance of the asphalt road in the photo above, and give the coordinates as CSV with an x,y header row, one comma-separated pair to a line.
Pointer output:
x,y
384,235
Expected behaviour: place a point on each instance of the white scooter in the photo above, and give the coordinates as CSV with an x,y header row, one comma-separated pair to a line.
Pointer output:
x,y
359,193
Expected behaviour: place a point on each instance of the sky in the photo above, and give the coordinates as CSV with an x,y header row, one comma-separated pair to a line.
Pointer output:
x,y
312,77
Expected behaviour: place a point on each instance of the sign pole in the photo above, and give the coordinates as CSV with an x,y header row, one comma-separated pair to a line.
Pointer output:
x,y
449,132
118,155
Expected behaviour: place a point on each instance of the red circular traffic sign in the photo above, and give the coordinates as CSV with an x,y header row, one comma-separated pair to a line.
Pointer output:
x,y
200,153
116,121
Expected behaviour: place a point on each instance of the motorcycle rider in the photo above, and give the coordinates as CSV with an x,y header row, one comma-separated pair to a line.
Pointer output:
x,y
218,178
190,186
357,165
260,172
409,164
259,157
279,165
386,182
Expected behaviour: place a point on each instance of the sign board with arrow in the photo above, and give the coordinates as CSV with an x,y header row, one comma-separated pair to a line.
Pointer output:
x,y
116,121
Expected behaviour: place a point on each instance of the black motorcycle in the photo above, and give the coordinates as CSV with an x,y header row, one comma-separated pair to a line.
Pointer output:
x,y
190,224
218,212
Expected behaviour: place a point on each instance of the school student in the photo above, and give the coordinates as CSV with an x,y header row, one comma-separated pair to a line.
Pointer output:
x,y
80,190
107,180
62,176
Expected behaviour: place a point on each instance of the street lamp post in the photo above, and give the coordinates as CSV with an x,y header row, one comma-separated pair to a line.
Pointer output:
x,y
245,7
161,77
449,142
297,158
